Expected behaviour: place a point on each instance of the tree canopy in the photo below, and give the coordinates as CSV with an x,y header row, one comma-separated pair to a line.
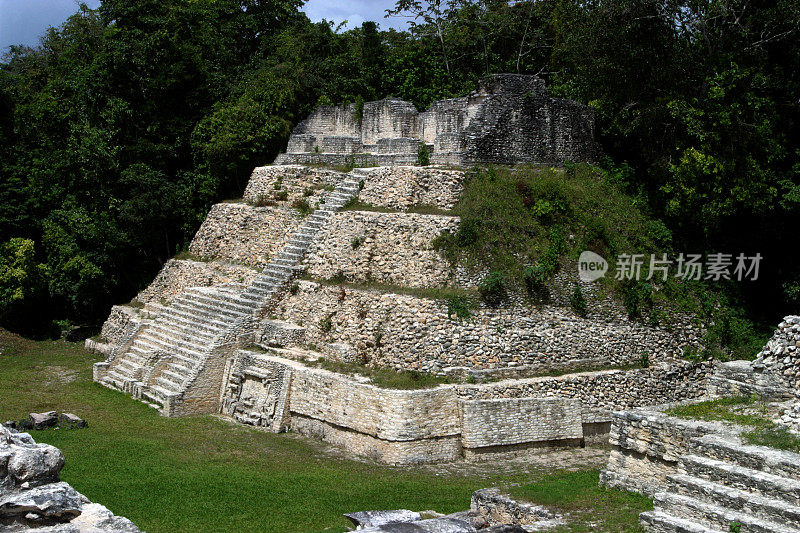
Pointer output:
x,y
122,127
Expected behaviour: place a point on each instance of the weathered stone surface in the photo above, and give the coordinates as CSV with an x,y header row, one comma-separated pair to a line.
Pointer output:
x,y
497,508
509,119
71,421
56,501
35,463
433,525
44,420
407,332
33,499
365,519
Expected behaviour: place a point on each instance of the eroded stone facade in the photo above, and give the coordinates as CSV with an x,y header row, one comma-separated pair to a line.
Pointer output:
x,y
509,119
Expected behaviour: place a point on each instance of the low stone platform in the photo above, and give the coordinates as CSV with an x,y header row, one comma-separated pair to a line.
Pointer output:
x,y
702,475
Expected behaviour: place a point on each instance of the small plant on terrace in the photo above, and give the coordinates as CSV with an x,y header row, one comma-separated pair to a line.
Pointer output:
x,y
458,307
326,324
358,241
493,288
302,206
262,200
423,156
578,302
294,288
281,196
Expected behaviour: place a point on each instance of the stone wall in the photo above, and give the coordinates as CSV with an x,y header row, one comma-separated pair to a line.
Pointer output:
x,y
392,426
509,119
602,392
241,234
121,323
410,333
494,425
296,180
393,248
404,187
646,446
781,355
178,275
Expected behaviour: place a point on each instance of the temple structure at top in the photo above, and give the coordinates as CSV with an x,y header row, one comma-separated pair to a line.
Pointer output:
x,y
509,119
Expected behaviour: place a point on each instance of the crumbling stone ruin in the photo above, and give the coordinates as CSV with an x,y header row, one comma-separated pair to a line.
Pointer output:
x,y
239,325
509,119
32,497
704,476
490,511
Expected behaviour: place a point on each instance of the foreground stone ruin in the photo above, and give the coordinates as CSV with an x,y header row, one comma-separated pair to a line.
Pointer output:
x,y
238,327
509,119
490,511
32,497
703,475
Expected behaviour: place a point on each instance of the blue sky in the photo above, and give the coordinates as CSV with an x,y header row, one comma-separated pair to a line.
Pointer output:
x,y
23,21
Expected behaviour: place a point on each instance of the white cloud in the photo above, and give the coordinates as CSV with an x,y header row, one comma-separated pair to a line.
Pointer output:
x,y
354,12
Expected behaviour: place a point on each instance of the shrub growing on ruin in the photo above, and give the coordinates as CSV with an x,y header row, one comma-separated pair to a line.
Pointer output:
x,y
326,324
493,288
578,302
458,307
262,200
302,206
281,196
423,156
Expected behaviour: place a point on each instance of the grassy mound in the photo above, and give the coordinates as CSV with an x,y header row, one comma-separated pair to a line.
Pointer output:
x,y
523,225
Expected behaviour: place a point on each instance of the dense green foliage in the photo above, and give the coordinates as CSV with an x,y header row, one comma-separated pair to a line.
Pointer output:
x,y
125,124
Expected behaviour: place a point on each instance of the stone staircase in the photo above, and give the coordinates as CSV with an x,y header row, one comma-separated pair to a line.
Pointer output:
x,y
187,342
724,486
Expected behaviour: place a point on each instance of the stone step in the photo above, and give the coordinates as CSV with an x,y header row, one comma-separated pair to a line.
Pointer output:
x,y
264,279
293,257
769,460
768,485
167,338
299,251
158,346
115,380
265,286
659,522
215,303
156,394
167,384
755,505
714,516
179,368
175,377
218,294
181,332
123,370
135,358
203,313
182,318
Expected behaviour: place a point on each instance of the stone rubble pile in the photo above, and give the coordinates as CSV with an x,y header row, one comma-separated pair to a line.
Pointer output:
x,y
490,512
782,353
50,419
781,356
33,499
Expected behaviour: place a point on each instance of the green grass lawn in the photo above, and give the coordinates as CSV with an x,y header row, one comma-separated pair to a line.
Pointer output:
x,y
204,474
